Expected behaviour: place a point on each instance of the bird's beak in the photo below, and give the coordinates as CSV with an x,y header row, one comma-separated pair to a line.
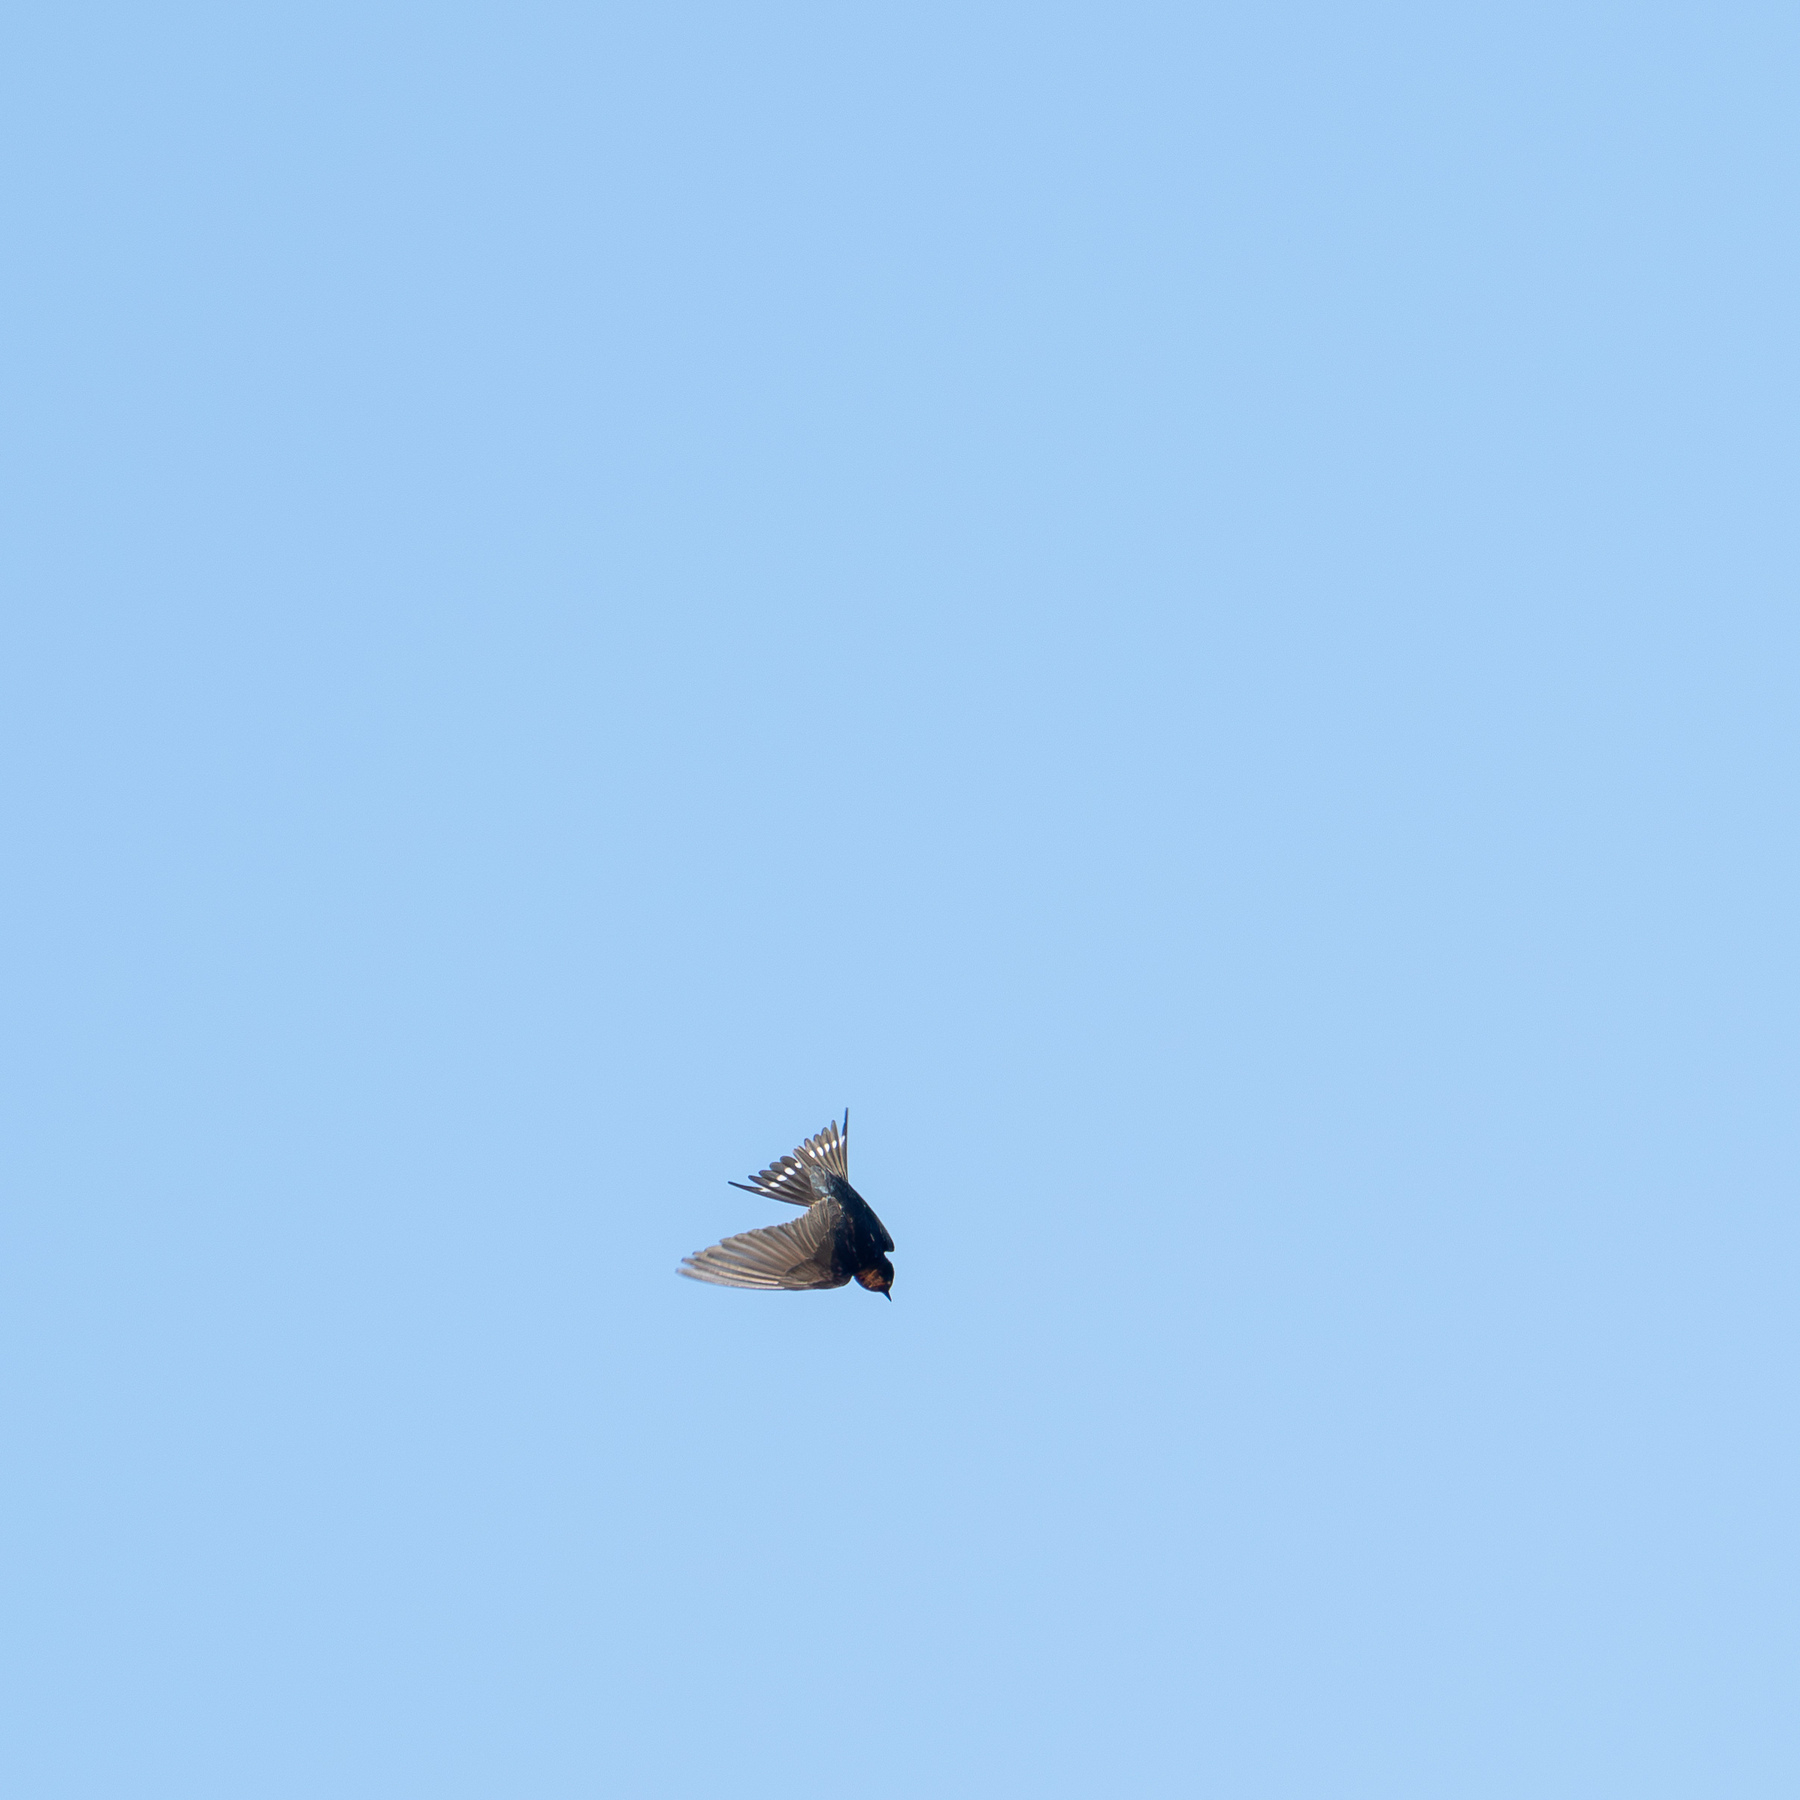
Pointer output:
x,y
890,1294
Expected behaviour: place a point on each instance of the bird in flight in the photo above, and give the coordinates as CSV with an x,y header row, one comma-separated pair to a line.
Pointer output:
x,y
839,1236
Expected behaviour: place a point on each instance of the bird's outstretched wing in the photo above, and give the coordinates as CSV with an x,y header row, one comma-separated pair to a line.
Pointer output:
x,y
794,1255
796,1178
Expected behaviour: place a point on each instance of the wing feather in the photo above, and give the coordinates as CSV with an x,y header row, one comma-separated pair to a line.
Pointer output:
x,y
794,1255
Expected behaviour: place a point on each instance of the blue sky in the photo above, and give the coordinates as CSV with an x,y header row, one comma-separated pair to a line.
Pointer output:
x,y
1191,611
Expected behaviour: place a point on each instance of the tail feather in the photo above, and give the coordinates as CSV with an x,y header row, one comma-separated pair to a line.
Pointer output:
x,y
798,1178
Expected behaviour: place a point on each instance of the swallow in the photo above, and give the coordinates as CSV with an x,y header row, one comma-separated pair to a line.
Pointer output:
x,y
838,1239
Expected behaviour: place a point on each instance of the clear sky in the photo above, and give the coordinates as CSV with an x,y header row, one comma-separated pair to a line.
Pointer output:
x,y
1190,610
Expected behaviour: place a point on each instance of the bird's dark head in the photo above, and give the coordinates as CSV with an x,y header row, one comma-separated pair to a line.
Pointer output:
x,y
880,1279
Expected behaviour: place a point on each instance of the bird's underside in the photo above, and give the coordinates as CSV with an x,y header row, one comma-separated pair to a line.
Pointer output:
x,y
838,1239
